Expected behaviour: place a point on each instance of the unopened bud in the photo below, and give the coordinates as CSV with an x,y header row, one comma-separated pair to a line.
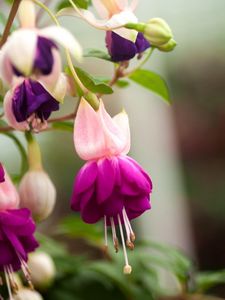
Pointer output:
x,y
26,294
157,32
37,193
168,46
42,269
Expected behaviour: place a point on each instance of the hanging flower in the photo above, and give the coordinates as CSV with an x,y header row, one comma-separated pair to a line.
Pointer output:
x,y
16,234
30,65
111,185
122,43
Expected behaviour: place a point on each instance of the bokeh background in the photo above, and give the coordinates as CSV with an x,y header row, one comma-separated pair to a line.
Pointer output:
x,y
182,145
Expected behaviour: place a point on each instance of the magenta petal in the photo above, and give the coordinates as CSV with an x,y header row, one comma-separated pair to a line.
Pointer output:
x,y
134,182
15,242
2,174
77,199
114,205
86,177
14,217
90,212
105,179
7,253
135,206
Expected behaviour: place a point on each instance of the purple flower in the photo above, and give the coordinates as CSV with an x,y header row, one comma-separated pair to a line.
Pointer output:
x,y
111,185
121,49
16,239
29,105
2,173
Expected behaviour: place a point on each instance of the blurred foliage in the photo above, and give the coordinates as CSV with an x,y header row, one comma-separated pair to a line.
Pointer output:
x,y
82,277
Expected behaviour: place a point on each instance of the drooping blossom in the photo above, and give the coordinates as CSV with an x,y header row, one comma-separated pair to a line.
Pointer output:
x,y
122,43
16,233
30,65
111,185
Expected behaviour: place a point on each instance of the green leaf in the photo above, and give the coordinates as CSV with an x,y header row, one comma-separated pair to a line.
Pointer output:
x,y
97,54
152,82
121,83
93,84
207,280
64,126
80,3
74,227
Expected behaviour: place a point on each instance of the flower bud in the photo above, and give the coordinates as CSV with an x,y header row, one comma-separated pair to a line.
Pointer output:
x,y
42,269
37,193
26,294
168,46
157,31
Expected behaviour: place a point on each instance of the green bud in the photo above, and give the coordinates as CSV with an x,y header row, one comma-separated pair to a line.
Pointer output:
x,y
168,46
157,32
92,99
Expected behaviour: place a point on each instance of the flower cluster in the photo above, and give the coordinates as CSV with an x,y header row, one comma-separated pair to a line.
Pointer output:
x,y
111,187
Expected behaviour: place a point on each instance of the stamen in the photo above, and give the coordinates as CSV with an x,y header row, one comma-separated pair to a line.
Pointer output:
x,y
106,234
127,268
8,283
132,234
26,271
13,282
129,244
115,239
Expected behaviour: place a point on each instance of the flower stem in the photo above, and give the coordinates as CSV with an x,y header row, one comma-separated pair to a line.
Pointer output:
x,y
34,152
10,20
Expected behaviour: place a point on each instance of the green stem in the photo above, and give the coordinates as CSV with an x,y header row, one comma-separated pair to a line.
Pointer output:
x,y
34,152
142,63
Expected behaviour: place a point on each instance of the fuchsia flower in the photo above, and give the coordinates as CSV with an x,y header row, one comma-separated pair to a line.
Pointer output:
x,y
111,185
122,43
16,232
30,65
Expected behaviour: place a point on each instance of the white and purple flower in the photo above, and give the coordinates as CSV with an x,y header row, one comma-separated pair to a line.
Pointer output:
x,y
111,185
122,43
30,64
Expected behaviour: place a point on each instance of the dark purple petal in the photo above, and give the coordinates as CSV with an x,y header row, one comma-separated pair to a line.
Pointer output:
x,y
121,49
105,179
141,43
31,97
83,198
2,174
114,205
16,237
44,59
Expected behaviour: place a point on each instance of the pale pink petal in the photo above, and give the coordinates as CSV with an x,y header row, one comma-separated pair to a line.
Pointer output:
x,y
101,9
9,198
134,4
117,20
122,122
89,137
96,135
60,88
50,80
9,115
27,14
122,4
6,72
64,38
21,49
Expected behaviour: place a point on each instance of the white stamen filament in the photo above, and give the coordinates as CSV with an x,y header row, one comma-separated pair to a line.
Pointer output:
x,y
132,234
25,271
127,268
115,240
106,233
129,243
8,283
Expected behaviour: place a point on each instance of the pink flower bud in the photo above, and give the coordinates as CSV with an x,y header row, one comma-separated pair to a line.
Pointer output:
x,y
37,193
42,269
9,198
